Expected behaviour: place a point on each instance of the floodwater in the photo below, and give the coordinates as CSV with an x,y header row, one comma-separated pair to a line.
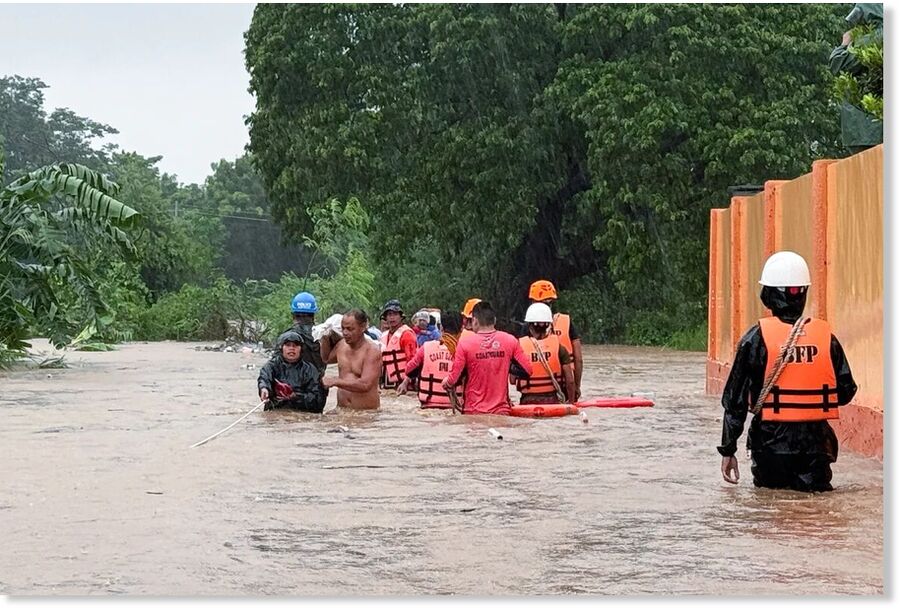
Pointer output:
x,y
101,493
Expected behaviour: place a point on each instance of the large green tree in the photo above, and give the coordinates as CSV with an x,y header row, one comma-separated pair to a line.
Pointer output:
x,y
495,144
175,246
252,244
34,138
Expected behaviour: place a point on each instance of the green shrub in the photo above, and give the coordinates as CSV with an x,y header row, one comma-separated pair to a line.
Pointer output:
x,y
192,313
595,308
690,339
273,310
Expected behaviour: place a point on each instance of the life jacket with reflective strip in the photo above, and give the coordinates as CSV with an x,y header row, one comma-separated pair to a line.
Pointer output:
x,y
393,358
806,390
540,382
435,368
561,323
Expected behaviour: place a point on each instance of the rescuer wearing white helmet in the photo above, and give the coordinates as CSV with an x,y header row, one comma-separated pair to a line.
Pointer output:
x,y
552,377
543,291
790,442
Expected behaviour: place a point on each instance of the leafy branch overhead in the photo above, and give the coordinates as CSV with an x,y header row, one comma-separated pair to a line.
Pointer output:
x,y
50,219
862,83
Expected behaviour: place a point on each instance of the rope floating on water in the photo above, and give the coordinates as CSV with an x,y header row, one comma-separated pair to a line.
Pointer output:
x,y
223,430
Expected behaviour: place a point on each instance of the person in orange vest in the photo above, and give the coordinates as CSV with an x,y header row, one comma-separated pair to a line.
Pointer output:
x,y
543,291
398,345
790,442
467,316
552,370
431,364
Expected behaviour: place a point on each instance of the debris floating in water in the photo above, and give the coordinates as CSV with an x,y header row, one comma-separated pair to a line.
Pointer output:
x,y
495,434
584,418
233,347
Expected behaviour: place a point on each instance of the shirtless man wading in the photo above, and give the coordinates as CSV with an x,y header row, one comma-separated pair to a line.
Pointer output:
x,y
359,364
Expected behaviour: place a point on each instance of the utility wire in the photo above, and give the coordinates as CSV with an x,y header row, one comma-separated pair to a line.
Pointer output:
x,y
209,214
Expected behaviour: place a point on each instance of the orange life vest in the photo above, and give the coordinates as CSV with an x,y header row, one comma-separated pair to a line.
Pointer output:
x,y
393,358
561,322
435,368
539,382
806,390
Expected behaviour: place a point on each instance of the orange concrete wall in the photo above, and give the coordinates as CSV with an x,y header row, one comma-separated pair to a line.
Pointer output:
x,y
855,283
833,218
719,307
753,226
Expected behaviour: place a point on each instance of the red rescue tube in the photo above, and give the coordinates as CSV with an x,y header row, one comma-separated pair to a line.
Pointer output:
x,y
561,410
543,410
615,402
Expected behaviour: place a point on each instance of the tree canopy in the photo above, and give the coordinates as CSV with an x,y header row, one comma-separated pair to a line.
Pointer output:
x,y
492,145
32,137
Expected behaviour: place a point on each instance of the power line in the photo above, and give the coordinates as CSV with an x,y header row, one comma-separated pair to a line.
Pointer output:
x,y
211,214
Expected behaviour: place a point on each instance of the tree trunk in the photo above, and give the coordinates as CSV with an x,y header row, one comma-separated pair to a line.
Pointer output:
x,y
538,256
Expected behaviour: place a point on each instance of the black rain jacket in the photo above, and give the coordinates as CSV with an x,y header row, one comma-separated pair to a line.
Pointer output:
x,y
309,393
745,383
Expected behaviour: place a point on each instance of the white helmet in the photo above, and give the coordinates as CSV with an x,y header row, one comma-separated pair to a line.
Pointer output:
x,y
539,312
785,268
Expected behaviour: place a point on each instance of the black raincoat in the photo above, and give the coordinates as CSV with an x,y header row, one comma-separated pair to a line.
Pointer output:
x,y
308,392
796,455
311,352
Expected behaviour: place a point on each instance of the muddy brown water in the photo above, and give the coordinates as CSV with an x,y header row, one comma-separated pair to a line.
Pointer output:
x,y
101,493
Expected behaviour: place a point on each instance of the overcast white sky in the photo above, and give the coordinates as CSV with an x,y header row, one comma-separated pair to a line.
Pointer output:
x,y
169,77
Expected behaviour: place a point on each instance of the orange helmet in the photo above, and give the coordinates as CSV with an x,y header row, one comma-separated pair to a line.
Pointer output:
x,y
542,290
470,304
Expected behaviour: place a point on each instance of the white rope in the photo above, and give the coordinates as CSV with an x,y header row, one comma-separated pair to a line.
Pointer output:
x,y
239,420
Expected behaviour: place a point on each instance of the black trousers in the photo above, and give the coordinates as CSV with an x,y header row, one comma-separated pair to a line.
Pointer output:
x,y
801,472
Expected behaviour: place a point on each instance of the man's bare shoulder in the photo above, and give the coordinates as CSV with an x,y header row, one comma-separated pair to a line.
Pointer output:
x,y
373,348
365,347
